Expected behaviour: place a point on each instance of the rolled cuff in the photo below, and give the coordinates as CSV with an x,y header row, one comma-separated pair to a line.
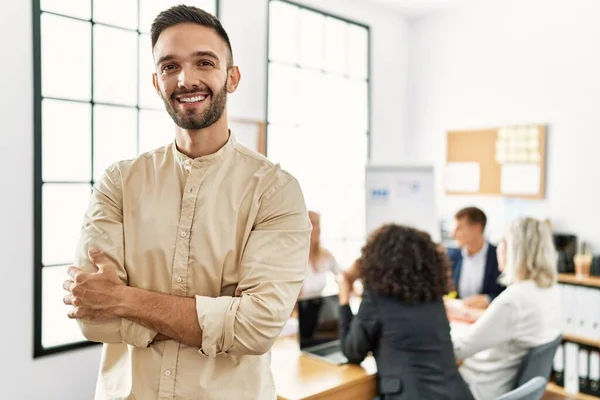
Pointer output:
x,y
216,317
135,334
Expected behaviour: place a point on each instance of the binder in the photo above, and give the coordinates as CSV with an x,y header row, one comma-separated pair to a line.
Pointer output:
x,y
567,295
594,314
594,373
558,366
582,370
580,311
571,364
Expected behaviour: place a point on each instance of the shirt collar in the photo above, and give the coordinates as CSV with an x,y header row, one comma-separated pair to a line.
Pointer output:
x,y
479,254
206,160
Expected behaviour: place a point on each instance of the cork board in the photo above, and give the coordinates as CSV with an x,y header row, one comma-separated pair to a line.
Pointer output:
x,y
507,161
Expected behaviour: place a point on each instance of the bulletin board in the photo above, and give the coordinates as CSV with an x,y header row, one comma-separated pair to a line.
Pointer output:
x,y
251,133
508,161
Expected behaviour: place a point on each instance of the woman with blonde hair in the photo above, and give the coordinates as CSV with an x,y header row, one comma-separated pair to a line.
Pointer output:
x,y
322,264
525,315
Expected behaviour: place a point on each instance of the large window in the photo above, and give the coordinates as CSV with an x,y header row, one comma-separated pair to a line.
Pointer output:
x,y
318,116
94,105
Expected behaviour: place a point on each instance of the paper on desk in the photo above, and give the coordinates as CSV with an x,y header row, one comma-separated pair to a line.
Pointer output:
x,y
462,177
520,179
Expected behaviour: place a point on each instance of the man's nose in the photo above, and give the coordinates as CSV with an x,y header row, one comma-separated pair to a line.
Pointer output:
x,y
186,79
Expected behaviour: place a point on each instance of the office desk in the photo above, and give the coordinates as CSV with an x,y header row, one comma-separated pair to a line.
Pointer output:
x,y
299,376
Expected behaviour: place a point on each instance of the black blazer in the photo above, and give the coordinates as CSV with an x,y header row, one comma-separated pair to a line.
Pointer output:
x,y
490,285
411,344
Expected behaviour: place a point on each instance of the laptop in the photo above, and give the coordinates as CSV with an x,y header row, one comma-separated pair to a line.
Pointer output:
x,y
318,329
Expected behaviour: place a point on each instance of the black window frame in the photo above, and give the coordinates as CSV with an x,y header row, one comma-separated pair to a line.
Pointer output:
x,y
368,79
38,349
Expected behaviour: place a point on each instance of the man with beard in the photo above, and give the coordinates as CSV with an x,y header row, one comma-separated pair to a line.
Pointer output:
x,y
191,256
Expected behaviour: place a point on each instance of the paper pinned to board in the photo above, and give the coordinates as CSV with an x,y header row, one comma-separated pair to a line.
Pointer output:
x,y
462,177
520,179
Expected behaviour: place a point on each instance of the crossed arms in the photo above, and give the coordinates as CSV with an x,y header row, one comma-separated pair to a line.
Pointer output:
x,y
271,272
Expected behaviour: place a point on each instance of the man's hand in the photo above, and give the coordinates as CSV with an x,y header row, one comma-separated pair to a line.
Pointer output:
x,y
480,301
95,295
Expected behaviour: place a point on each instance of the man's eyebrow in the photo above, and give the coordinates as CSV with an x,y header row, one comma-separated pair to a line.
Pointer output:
x,y
201,53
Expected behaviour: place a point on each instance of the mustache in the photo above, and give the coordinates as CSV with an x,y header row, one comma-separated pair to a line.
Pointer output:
x,y
190,91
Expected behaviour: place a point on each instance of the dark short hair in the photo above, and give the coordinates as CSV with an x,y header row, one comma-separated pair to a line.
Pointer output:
x,y
474,215
182,14
403,262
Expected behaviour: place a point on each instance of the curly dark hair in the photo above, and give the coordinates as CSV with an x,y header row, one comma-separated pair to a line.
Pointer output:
x,y
404,262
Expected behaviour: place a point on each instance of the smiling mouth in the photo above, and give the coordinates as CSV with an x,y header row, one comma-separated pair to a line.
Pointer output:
x,y
191,100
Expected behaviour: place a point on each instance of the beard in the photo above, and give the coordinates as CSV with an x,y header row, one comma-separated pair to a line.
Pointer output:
x,y
189,119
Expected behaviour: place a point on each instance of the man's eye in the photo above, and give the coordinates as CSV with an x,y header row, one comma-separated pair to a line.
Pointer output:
x,y
205,63
168,67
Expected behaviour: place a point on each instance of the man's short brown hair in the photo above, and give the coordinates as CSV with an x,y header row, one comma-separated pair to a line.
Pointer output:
x,y
474,215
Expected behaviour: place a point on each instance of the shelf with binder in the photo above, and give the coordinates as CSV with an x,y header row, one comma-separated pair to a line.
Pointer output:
x,y
555,389
576,366
582,340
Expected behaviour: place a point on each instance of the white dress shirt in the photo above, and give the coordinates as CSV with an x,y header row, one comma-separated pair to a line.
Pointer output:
x,y
472,271
522,317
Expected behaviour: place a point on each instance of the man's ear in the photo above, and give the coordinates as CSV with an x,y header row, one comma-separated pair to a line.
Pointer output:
x,y
155,83
233,79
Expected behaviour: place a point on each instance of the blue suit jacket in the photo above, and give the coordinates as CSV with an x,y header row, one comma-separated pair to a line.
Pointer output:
x,y
490,286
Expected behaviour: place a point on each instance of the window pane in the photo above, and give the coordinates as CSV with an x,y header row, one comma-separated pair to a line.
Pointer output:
x,y
350,252
115,136
283,89
117,12
73,8
312,51
149,9
57,328
358,108
336,44
63,208
358,51
65,72
156,130
115,74
354,210
66,145
283,32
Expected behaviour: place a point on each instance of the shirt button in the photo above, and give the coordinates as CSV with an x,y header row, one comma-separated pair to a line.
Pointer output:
x,y
183,234
179,279
168,372
187,162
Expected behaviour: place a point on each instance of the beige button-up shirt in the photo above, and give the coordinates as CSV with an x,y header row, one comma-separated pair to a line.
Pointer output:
x,y
230,229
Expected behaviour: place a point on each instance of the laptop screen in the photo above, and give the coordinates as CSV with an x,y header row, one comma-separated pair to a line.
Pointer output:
x,y
318,320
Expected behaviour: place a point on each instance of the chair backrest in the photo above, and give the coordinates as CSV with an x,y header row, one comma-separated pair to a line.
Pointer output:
x,y
537,362
532,390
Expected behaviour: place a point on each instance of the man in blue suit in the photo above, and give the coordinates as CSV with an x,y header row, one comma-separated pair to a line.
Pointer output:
x,y
474,264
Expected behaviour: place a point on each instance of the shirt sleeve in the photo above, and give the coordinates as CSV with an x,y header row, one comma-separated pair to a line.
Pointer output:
x,y
359,334
103,229
272,269
497,325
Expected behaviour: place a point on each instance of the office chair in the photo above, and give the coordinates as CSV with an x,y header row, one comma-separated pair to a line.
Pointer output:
x,y
537,362
532,390
533,374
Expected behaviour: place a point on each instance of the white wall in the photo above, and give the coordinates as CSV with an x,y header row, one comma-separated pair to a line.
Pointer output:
x,y
72,375
69,376
500,62
245,21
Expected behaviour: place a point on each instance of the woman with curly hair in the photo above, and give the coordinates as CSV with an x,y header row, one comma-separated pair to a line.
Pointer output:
x,y
402,318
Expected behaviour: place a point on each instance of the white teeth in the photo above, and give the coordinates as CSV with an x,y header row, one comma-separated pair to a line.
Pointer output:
x,y
191,99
